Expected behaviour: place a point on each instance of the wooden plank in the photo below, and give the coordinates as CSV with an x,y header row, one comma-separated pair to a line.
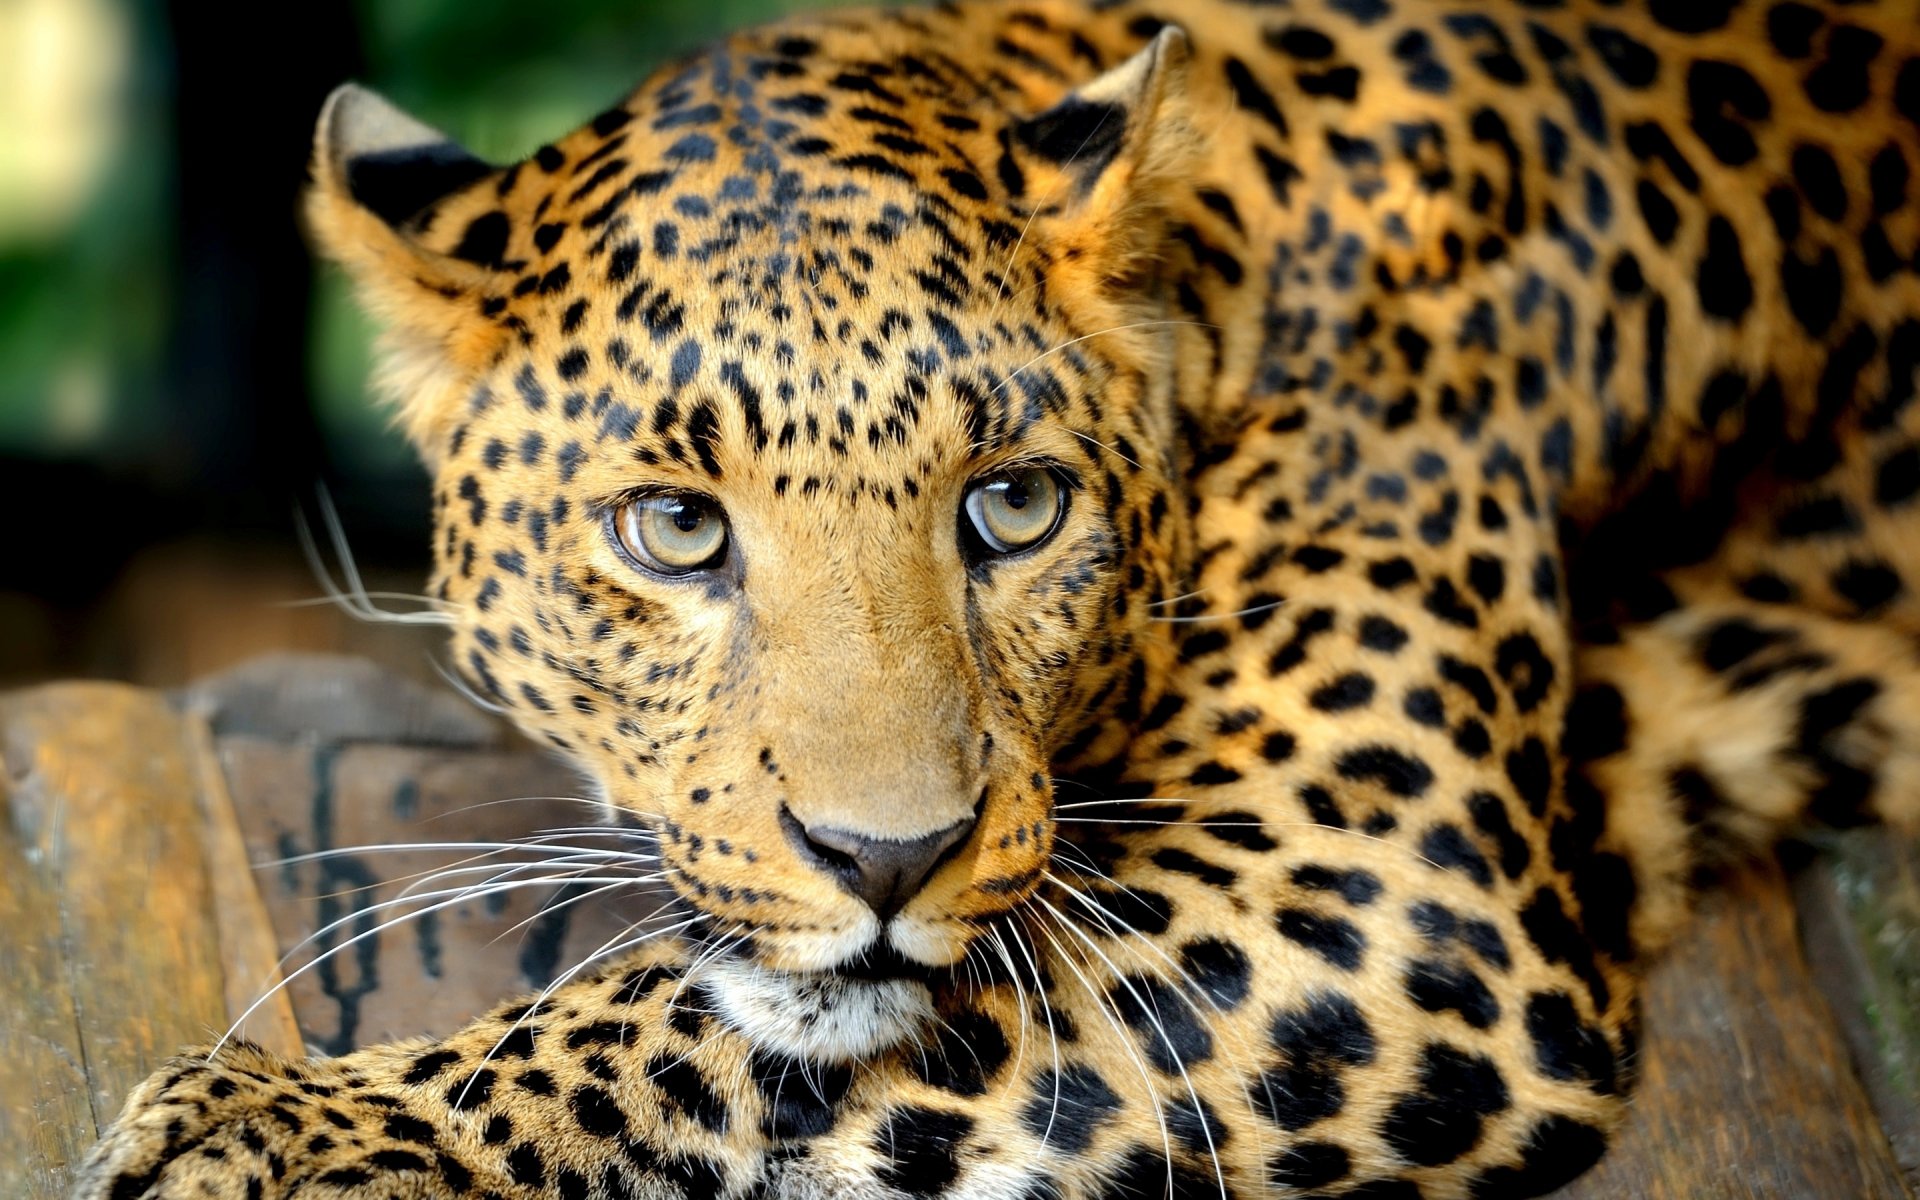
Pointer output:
x,y
1861,904
332,699
1746,1086
47,1120
249,948
433,973
113,959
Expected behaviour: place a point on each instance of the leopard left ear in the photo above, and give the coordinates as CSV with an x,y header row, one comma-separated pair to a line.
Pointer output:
x,y
389,198
1114,147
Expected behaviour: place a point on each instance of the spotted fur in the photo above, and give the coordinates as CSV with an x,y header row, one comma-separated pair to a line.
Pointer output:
x,y
1490,455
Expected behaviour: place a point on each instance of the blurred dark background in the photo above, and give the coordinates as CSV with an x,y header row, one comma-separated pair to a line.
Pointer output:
x,y
176,374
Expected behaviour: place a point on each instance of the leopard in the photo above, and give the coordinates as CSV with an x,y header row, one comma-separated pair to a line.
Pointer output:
x,y
1185,594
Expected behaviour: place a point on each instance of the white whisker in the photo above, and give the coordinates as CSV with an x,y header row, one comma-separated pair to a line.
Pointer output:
x,y
459,896
613,945
1203,618
1126,1042
1151,1012
1053,1036
353,598
453,680
1179,598
1071,342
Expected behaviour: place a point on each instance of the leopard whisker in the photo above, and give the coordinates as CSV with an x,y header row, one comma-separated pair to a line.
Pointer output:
x,y
1152,1012
1117,927
501,871
566,856
1191,986
1112,800
1177,599
473,863
1203,618
1019,994
586,800
1104,1007
1163,800
921,1049
1134,938
403,847
994,313
600,831
323,601
460,896
453,680
637,874
1075,341
613,945
709,951
1053,1034
555,904
353,598
1150,821
444,898
663,907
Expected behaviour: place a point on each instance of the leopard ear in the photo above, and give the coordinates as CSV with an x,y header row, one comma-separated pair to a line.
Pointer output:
x,y
386,192
1115,146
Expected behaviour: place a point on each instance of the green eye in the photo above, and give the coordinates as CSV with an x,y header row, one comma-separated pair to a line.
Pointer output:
x,y
672,534
1016,509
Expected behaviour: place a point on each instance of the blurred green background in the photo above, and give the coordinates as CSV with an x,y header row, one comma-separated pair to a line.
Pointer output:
x,y
175,374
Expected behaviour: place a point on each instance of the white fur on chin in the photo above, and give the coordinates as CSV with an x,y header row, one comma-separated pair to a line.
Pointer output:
x,y
817,1017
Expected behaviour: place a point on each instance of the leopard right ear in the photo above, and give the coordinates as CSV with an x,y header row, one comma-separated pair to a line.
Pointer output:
x,y
386,190
1108,154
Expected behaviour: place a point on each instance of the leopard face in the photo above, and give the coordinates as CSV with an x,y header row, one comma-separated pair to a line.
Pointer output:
x,y
816,519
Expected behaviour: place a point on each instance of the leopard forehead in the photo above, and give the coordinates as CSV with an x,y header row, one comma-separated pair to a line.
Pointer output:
x,y
789,256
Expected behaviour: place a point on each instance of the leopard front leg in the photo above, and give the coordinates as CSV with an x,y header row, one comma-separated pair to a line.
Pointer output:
x,y
612,1083
198,1126
1147,1035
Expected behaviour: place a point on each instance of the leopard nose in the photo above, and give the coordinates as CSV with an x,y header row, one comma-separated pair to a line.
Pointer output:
x,y
884,872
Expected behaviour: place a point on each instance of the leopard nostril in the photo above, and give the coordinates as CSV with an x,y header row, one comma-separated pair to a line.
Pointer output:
x,y
884,872
825,856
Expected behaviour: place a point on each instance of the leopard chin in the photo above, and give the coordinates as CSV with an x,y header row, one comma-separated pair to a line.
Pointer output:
x,y
817,1016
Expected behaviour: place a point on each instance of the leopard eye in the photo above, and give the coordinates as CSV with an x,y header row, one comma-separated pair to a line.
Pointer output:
x,y
1015,510
677,533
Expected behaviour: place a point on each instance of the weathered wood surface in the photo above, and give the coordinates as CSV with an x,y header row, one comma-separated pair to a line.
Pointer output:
x,y
115,940
1777,1061
1861,905
1746,1088
327,756
433,971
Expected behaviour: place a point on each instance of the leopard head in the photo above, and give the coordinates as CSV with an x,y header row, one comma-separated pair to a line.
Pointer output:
x,y
801,432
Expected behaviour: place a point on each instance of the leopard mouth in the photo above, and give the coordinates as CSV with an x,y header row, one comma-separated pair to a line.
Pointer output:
x,y
879,961
882,962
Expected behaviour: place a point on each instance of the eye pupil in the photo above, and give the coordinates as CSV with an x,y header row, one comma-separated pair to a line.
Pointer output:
x,y
686,518
1016,496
